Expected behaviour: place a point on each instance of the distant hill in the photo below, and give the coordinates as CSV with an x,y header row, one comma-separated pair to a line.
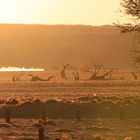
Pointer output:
x,y
48,45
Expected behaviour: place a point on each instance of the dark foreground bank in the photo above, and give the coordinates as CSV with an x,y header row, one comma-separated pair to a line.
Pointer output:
x,y
55,109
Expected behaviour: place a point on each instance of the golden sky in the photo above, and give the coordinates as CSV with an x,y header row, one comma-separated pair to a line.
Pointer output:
x,y
93,12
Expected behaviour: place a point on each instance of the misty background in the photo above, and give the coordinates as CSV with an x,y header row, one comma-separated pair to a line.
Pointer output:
x,y
46,46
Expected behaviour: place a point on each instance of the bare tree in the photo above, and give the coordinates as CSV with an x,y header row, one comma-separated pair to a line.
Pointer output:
x,y
131,8
76,74
17,77
95,73
63,71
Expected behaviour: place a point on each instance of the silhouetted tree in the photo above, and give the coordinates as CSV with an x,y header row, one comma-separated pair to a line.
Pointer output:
x,y
17,77
95,72
76,75
131,8
63,71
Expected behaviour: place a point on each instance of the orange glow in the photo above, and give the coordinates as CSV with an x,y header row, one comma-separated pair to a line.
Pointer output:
x,y
93,12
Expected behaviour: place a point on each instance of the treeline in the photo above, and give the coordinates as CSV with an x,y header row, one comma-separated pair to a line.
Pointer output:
x,y
96,72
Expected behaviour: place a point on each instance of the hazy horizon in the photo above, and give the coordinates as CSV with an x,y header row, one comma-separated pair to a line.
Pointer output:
x,y
54,45
45,33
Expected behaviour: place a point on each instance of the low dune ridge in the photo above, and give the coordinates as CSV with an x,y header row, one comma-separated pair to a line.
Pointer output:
x,y
50,45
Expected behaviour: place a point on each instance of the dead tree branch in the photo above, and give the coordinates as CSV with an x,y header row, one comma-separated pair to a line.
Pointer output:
x,y
76,75
134,75
37,78
17,77
95,73
63,71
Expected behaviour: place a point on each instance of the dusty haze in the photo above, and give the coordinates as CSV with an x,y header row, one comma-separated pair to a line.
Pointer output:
x,y
49,45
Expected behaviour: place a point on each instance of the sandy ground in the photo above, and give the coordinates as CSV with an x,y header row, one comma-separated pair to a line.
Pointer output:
x,y
86,129
109,108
